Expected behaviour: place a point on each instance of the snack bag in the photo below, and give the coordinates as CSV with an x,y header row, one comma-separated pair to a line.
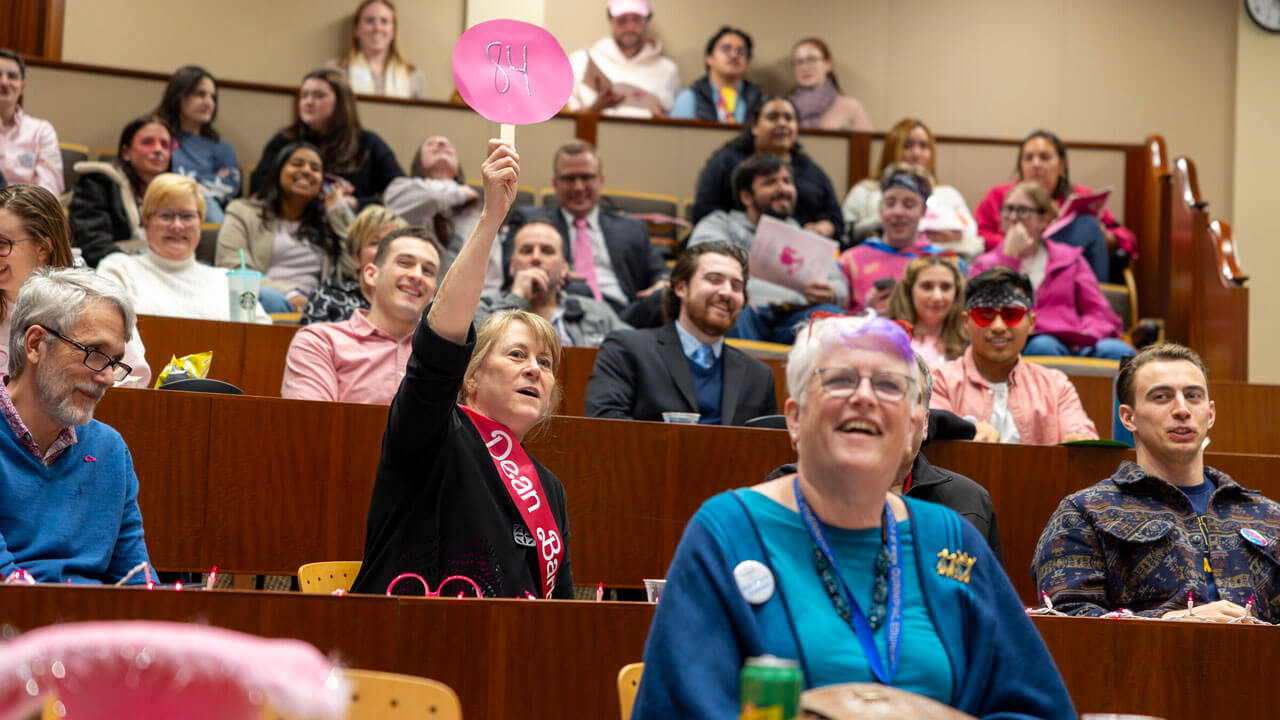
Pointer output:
x,y
184,368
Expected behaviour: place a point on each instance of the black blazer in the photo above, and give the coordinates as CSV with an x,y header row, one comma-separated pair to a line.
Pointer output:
x,y
640,374
636,261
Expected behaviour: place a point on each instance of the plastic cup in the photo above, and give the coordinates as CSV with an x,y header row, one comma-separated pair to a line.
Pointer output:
x,y
653,588
685,418
242,293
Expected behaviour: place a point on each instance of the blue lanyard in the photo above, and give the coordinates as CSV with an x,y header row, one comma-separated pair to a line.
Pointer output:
x,y
862,628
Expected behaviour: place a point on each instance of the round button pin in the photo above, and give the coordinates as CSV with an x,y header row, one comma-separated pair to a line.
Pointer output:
x,y
1254,537
755,581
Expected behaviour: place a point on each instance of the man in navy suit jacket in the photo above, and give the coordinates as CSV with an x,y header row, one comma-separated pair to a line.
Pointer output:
x,y
685,365
627,267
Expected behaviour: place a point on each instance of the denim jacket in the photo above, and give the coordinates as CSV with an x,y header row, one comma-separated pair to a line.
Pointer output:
x,y
1133,541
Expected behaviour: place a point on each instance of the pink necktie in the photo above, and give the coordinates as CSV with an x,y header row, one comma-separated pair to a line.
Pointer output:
x,y
584,260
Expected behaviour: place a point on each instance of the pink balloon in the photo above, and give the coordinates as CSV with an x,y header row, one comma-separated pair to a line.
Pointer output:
x,y
512,72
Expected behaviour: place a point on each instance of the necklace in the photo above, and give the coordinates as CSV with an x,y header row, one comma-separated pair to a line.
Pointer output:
x,y
885,592
879,591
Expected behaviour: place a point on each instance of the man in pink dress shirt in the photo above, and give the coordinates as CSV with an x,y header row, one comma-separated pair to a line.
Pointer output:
x,y
1009,400
362,359
29,153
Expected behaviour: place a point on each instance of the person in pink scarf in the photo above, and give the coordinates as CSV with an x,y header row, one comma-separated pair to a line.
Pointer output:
x,y
817,93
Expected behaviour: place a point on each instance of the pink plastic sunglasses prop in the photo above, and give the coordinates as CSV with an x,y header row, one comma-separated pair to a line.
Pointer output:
x,y
426,589
122,670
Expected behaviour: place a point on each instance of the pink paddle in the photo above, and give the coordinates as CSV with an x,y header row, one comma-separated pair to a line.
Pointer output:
x,y
120,670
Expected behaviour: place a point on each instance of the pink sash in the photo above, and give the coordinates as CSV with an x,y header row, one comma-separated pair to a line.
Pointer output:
x,y
525,487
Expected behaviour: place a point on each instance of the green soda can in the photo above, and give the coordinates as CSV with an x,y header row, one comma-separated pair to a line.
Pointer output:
x,y
770,688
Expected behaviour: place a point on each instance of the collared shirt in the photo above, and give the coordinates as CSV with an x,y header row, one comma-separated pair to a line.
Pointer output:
x,y
608,279
29,153
66,436
1043,402
689,344
350,361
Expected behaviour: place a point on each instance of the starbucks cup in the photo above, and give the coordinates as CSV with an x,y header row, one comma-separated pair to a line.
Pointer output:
x,y
242,292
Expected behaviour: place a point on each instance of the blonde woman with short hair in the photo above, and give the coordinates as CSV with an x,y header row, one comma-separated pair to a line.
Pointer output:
x,y
167,279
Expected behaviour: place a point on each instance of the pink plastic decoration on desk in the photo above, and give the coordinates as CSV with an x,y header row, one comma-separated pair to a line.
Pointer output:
x,y
121,670
512,72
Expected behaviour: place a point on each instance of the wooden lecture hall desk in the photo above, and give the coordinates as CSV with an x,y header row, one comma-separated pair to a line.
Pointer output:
x,y
263,485
251,357
560,659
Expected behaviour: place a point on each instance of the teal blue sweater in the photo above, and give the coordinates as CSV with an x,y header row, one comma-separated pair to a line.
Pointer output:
x,y
77,519
704,629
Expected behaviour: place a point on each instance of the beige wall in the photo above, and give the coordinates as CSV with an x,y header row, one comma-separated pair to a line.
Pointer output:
x,y
269,41
1088,69
1257,152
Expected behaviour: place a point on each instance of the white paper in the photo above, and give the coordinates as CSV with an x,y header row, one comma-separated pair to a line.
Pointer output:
x,y
789,255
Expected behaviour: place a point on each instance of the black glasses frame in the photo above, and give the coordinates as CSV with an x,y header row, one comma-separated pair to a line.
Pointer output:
x,y
119,370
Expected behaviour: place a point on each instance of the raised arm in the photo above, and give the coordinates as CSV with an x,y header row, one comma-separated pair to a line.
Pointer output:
x,y
459,294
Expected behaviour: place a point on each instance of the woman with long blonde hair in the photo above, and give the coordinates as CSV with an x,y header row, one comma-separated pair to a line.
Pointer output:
x,y
930,297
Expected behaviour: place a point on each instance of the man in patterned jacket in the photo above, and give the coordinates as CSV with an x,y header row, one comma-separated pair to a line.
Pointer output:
x,y
1166,528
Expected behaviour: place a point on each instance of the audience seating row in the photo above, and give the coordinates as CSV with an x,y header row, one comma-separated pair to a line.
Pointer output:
x,y
516,658
264,485
1145,173
251,357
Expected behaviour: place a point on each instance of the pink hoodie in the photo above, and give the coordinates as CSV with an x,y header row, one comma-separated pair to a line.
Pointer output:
x,y
1069,304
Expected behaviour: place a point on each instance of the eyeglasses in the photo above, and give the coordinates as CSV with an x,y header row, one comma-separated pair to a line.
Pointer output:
x,y
584,178
169,217
94,359
984,316
802,61
1022,212
842,382
6,245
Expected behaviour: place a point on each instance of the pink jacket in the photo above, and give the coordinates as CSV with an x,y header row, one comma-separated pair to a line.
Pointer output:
x,y
1069,304
1042,401
988,216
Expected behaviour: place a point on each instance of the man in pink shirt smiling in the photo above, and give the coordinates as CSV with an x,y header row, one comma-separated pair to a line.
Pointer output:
x,y
362,360
1009,401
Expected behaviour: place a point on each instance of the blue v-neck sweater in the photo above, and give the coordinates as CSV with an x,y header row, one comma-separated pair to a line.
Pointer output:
x,y
77,519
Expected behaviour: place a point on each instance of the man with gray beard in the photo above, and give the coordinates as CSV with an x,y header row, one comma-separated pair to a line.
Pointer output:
x,y
68,492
